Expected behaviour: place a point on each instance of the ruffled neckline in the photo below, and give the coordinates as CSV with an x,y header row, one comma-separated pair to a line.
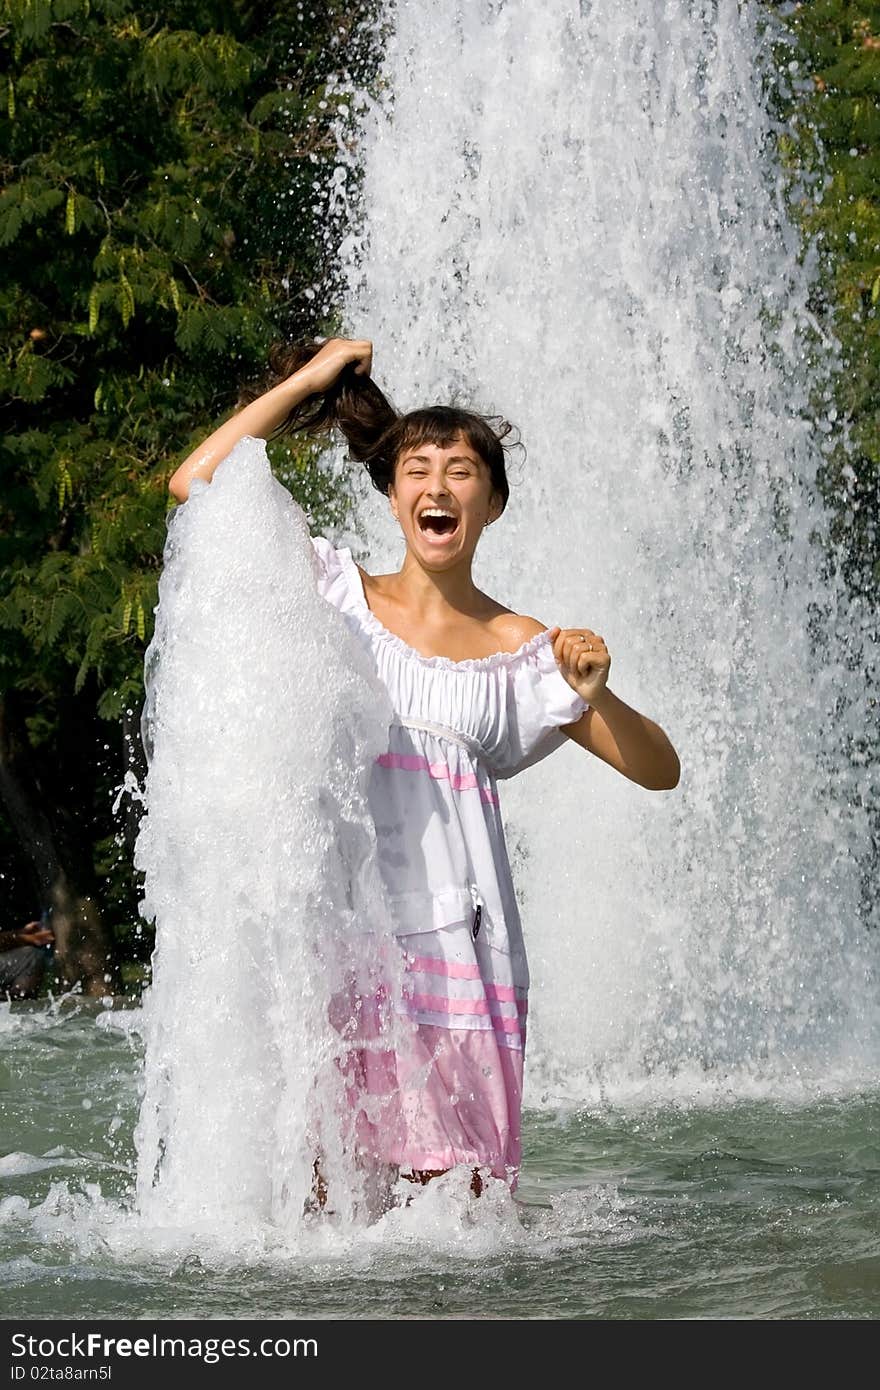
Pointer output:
x,y
476,663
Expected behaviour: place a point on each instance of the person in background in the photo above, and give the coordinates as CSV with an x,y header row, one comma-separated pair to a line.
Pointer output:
x,y
23,959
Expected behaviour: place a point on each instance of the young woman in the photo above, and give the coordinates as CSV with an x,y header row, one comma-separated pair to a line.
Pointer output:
x,y
479,692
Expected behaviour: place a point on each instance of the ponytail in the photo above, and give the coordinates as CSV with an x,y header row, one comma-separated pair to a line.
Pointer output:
x,y
376,433
354,404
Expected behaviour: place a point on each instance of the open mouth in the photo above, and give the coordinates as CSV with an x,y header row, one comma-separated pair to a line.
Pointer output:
x,y
436,522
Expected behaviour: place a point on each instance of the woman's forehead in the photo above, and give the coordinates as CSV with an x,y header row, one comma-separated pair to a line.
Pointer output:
x,y
457,450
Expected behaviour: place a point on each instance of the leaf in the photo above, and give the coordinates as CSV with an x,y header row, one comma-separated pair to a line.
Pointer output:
x,y
65,485
25,202
70,214
875,290
126,300
94,309
141,621
82,673
62,607
10,99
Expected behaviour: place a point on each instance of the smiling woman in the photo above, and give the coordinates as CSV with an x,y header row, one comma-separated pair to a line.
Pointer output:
x,y
478,692
449,478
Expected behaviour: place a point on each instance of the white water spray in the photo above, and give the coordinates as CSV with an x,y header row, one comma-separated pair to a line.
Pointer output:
x,y
572,213
263,718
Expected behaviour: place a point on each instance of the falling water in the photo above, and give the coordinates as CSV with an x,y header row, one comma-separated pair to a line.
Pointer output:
x,y
262,720
573,214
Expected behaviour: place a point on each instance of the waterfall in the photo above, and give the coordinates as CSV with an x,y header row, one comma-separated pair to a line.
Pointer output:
x,y
573,214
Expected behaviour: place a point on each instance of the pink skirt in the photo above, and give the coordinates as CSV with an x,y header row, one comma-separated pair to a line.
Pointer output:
x,y
453,1097
442,1096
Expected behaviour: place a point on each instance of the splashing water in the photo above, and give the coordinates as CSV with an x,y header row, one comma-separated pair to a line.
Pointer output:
x,y
263,719
573,213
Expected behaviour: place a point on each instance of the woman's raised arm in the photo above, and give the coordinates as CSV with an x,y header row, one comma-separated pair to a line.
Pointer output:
x,y
262,417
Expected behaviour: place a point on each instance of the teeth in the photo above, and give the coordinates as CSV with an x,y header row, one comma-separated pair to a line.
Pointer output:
x,y
436,511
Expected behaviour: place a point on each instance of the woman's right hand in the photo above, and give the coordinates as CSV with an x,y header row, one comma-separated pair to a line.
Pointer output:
x,y
263,415
323,369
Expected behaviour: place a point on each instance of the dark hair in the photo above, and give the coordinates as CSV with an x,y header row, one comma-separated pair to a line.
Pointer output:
x,y
377,434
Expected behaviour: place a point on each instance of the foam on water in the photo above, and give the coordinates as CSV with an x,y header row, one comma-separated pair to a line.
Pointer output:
x,y
20,1164
19,1020
574,214
443,1221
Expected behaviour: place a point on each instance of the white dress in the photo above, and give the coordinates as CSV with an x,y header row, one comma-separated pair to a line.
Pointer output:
x,y
459,728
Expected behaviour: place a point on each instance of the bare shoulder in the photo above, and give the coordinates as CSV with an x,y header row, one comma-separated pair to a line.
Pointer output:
x,y
515,629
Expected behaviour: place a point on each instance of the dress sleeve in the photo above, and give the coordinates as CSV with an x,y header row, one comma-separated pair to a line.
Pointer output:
x,y
539,701
333,575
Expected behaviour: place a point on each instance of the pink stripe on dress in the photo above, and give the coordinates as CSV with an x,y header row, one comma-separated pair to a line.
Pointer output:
x,y
453,969
458,970
439,1004
503,993
459,781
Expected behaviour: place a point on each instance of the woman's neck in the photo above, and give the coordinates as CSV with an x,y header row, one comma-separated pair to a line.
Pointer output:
x,y
431,593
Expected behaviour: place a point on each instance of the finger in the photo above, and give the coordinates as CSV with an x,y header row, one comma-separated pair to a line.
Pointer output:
x,y
578,648
586,662
572,651
569,647
593,641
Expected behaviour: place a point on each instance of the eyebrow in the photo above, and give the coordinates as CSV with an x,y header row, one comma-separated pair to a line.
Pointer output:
x,y
423,458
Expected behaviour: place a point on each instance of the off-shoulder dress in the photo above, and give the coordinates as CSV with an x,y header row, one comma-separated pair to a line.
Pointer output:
x,y
459,727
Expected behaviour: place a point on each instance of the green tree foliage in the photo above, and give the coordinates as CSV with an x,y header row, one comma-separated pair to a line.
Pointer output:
x,y
834,107
161,174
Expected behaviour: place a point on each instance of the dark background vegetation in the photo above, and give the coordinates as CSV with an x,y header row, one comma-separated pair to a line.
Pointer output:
x,y
161,222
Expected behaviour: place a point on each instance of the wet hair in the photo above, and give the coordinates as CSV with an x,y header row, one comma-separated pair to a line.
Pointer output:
x,y
376,433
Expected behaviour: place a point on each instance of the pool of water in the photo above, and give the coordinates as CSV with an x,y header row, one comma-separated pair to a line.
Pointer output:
x,y
743,1208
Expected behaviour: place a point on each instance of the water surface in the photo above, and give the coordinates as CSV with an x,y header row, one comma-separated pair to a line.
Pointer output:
x,y
744,1209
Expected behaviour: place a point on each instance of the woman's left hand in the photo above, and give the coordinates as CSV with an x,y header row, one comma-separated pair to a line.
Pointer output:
x,y
583,659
